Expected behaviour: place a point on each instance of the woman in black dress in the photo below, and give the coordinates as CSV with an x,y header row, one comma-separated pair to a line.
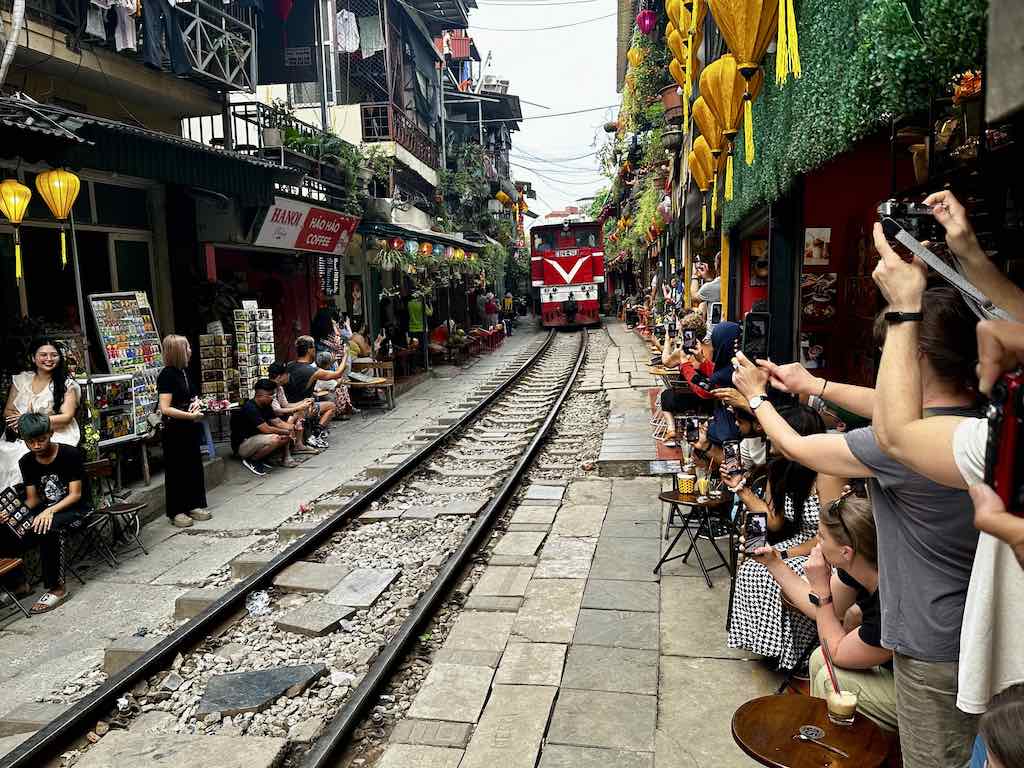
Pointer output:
x,y
184,484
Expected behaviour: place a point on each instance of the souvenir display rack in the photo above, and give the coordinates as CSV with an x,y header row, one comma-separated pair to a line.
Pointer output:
x,y
217,367
113,398
254,334
131,344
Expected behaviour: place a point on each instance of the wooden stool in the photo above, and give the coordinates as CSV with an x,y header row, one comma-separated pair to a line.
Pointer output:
x,y
764,729
8,564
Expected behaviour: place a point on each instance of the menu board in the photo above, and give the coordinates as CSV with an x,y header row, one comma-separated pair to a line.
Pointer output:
x,y
131,343
329,270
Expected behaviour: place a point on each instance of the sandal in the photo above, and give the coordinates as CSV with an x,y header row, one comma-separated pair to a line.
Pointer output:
x,y
47,603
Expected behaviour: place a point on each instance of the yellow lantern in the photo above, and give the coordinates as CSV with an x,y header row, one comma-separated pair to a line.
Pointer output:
x,y
635,56
707,160
503,198
676,44
701,178
672,8
708,126
59,188
725,91
748,27
14,198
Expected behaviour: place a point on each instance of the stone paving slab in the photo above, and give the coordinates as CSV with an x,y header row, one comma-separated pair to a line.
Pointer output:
x,y
517,560
317,578
464,474
620,629
544,492
313,619
618,514
529,527
292,531
510,732
626,559
123,652
561,756
632,529
418,756
452,692
589,492
535,515
570,568
361,587
519,543
468,658
608,595
531,664
240,692
624,670
503,581
603,719
124,748
549,611
686,707
195,601
579,520
29,717
568,548
380,515
432,489
431,733
493,603
247,563
474,631
463,508
682,599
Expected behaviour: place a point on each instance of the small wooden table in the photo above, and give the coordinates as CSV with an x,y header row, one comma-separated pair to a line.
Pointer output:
x,y
764,728
700,513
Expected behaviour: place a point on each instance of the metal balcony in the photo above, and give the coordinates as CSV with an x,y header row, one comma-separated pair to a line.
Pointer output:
x,y
386,122
220,38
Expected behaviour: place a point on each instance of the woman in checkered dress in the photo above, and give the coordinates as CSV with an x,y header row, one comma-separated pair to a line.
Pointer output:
x,y
760,622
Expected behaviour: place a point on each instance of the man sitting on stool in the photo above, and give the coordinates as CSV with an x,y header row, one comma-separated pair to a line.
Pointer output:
x,y
54,477
257,433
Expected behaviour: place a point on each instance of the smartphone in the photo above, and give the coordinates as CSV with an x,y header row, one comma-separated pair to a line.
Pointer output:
x,y
692,429
702,381
715,314
672,330
1004,461
732,464
755,335
756,531
689,339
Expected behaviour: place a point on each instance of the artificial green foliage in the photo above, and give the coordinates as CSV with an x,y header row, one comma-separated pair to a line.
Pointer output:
x,y
464,190
864,61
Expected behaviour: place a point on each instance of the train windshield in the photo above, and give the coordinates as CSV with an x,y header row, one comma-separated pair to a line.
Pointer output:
x,y
586,237
544,241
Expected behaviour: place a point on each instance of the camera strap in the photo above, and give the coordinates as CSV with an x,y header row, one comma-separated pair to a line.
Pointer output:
x,y
979,303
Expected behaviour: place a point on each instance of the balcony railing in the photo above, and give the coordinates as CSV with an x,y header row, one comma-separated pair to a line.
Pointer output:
x,y
386,122
219,38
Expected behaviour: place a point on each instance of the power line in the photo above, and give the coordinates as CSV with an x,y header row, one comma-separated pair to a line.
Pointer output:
x,y
543,29
561,181
519,148
527,158
531,117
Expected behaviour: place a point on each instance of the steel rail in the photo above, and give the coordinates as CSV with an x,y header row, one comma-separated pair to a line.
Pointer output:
x,y
323,752
51,739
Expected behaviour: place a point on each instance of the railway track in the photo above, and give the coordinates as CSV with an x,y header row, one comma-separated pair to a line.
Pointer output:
x,y
444,489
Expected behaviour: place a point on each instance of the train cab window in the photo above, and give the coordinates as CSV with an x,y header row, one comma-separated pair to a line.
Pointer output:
x,y
544,241
586,237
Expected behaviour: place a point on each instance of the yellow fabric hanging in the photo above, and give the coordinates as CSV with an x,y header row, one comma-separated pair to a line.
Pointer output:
x,y
686,113
714,201
63,249
728,176
748,128
781,54
703,217
793,43
693,16
18,273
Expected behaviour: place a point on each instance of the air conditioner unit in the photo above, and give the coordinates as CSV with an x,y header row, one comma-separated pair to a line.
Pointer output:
x,y
494,84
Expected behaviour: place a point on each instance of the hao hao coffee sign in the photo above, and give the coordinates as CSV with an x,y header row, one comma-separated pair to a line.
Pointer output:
x,y
302,227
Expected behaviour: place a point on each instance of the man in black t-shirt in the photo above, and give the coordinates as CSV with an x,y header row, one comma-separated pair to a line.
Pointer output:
x,y
257,433
54,478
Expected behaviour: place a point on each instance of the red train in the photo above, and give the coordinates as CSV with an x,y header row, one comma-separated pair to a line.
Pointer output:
x,y
567,267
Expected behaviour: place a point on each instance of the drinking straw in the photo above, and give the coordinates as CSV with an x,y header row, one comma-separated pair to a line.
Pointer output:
x,y
830,667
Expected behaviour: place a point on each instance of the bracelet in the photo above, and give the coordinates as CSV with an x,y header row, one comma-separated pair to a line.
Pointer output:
x,y
823,385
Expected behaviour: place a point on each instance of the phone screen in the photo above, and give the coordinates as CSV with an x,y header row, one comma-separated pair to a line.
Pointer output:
x,y
689,339
731,461
716,313
692,433
756,532
755,335
700,380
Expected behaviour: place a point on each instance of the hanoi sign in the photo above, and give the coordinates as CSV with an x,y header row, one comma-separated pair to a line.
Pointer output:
x,y
297,226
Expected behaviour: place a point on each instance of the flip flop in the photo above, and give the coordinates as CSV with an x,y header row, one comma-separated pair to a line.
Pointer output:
x,y
47,603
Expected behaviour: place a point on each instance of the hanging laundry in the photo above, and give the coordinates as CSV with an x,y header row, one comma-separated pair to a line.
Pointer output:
x,y
158,19
371,39
126,31
347,32
95,23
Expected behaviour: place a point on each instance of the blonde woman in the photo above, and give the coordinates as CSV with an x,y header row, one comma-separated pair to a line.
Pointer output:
x,y
184,482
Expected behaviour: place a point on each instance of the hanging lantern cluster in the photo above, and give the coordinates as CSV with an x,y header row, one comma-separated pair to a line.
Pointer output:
x,y
59,189
683,35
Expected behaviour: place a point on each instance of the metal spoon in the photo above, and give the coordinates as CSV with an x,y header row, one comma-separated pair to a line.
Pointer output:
x,y
822,744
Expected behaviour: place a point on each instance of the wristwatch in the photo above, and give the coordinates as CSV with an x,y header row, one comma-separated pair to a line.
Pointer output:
x,y
756,400
894,318
819,601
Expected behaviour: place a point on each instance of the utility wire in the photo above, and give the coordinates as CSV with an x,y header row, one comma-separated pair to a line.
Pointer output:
x,y
560,181
531,117
519,148
506,29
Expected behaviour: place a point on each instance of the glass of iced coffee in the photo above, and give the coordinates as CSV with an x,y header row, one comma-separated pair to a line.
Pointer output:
x,y
842,706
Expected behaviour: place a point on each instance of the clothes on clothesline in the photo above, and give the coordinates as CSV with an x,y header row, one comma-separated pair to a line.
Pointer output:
x,y
347,32
371,38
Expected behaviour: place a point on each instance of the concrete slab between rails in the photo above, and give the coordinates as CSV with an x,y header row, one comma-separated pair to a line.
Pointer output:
x,y
123,748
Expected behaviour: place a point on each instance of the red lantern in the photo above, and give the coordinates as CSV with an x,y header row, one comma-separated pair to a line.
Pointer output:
x,y
397,243
646,20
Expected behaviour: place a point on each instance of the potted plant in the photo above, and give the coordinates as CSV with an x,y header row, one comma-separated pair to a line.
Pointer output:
x,y
276,121
671,139
673,103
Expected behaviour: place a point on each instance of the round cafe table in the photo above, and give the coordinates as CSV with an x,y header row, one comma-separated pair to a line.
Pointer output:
x,y
764,728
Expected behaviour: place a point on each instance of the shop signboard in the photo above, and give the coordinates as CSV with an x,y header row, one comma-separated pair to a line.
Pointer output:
x,y
298,226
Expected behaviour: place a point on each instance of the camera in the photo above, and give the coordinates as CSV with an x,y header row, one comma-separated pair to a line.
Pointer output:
x,y
918,220
755,335
732,462
692,429
755,531
1004,462
689,339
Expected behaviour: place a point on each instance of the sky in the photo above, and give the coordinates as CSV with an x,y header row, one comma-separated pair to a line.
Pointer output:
x,y
562,69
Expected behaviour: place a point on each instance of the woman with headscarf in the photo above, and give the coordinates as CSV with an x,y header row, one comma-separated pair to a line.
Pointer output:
x,y
46,388
705,375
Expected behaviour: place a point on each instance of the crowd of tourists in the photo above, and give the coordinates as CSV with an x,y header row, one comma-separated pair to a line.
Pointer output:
x,y
883,543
